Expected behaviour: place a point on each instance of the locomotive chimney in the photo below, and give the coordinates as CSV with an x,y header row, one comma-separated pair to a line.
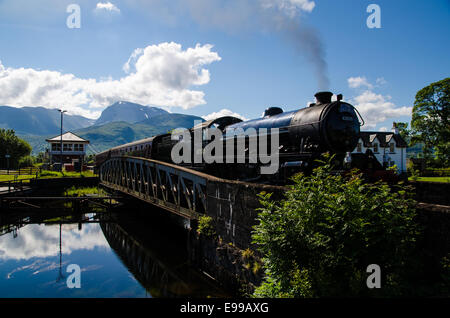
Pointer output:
x,y
323,97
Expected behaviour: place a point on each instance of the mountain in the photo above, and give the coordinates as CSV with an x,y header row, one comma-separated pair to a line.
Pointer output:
x,y
112,134
39,120
128,112
120,123
414,151
170,121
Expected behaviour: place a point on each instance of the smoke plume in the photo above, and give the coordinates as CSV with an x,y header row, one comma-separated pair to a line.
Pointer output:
x,y
283,17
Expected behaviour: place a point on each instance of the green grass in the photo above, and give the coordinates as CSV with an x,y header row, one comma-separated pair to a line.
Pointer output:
x,y
81,191
19,177
46,174
431,179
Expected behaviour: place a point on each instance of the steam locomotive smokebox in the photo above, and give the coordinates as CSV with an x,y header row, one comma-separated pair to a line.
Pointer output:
x,y
323,97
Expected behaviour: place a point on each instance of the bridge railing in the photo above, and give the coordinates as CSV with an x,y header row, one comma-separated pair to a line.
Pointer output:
x,y
180,190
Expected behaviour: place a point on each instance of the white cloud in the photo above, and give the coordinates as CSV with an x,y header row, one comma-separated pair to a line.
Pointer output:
x,y
41,241
361,81
107,6
290,7
132,59
376,108
222,113
355,82
162,76
381,81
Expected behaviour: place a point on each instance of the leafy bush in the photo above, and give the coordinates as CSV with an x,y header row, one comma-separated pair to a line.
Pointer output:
x,y
319,240
206,226
82,191
49,174
65,174
26,161
13,146
436,172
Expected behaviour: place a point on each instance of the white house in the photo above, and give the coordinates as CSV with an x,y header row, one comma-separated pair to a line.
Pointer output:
x,y
388,147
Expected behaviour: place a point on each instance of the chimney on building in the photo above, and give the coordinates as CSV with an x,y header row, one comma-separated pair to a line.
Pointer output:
x,y
394,128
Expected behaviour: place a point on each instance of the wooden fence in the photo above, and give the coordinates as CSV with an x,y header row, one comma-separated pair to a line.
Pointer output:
x,y
21,171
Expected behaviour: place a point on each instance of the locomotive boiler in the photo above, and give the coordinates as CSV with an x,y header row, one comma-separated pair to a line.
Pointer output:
x,y
304,134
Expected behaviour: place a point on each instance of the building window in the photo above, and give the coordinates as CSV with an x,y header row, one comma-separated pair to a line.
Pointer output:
x,y
78,147
67,147
391,147
56,147
375,147
359,147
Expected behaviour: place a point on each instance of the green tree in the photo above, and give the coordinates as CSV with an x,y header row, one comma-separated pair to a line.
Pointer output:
x,y
404,132
26,161
90,159
319,240
12,145
40,158
430,122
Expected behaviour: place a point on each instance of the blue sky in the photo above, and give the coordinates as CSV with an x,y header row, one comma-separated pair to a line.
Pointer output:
x,y
213,56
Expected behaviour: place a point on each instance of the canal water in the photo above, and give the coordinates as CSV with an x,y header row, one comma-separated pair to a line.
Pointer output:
x,y
120,254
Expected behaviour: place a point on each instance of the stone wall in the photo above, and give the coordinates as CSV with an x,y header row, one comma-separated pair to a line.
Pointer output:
x,y
236,270
233,208
230,256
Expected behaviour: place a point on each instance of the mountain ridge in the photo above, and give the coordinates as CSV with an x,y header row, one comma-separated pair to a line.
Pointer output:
x,y
39,120
128,112
122,122
103,137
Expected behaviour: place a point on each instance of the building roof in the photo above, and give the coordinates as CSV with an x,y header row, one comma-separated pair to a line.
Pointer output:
x,y
68,137
383,137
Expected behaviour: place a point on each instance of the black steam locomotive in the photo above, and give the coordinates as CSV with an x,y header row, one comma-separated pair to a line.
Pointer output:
x,y
304,134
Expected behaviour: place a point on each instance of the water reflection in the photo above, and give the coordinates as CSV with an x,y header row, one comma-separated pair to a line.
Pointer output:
x,y
119,256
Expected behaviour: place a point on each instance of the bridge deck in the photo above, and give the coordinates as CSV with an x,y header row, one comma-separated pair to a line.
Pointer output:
x,y
180,190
